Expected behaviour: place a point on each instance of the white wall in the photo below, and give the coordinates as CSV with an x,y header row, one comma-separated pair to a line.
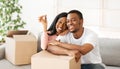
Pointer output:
x,y
31,11
89,8
111,18
102,16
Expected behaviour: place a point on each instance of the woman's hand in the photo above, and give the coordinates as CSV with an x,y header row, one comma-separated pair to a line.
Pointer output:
x,y
43,20
54,43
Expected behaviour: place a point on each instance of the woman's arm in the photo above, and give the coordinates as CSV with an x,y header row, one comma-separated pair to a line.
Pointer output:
x,y
43,20
84,49
44,36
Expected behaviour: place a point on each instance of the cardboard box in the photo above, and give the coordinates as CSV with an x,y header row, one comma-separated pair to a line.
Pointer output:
x,y
20,48
46,60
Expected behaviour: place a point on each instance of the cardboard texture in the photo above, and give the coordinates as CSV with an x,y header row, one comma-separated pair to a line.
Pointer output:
x,y
46,60
20,48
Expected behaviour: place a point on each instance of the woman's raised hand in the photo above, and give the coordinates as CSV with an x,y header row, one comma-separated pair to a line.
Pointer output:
x,y
43,20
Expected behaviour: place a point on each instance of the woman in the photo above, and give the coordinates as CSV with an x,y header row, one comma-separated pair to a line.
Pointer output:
x,y
58,27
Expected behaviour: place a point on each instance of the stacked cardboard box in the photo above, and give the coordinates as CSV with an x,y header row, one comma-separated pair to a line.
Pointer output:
x,y
46,60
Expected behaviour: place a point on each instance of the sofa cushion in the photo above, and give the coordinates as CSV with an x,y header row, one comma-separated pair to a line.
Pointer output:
x,y
112,67
110,50
39,42
2,51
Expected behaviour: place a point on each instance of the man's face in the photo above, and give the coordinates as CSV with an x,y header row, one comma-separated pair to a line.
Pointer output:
x,y
74,23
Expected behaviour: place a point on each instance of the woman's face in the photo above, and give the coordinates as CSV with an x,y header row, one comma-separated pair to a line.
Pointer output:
x,y
61,25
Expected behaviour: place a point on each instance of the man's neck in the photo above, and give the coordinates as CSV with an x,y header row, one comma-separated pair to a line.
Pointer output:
x,y
79,33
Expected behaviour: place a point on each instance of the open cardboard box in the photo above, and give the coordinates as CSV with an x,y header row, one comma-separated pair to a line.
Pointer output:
x,y
20,47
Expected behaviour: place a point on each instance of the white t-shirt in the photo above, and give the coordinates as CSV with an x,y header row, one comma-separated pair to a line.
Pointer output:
x,y
88,36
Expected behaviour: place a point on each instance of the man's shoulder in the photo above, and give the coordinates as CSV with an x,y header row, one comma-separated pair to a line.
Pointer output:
x,y
89,31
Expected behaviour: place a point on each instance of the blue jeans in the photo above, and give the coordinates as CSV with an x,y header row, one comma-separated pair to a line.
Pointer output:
x,y
92,66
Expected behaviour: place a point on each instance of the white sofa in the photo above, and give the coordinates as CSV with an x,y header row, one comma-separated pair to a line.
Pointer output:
x,y
2,51
110,52
109,48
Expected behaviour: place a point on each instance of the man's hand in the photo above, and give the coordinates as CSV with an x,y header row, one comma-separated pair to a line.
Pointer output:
x,y
76,54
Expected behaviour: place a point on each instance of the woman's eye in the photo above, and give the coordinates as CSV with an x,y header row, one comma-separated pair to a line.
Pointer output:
x,y
73,20
59,22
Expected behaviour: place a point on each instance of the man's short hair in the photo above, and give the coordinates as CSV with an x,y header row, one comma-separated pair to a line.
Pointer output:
x,y
77,12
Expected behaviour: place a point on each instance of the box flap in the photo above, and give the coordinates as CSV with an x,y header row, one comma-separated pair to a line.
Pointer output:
x,y
24,38
16,32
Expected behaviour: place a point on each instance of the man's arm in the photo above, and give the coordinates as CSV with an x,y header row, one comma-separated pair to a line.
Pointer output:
x,y
63,51
84,49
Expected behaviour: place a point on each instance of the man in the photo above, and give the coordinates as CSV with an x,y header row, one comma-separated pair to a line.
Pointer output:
x,y
79,42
